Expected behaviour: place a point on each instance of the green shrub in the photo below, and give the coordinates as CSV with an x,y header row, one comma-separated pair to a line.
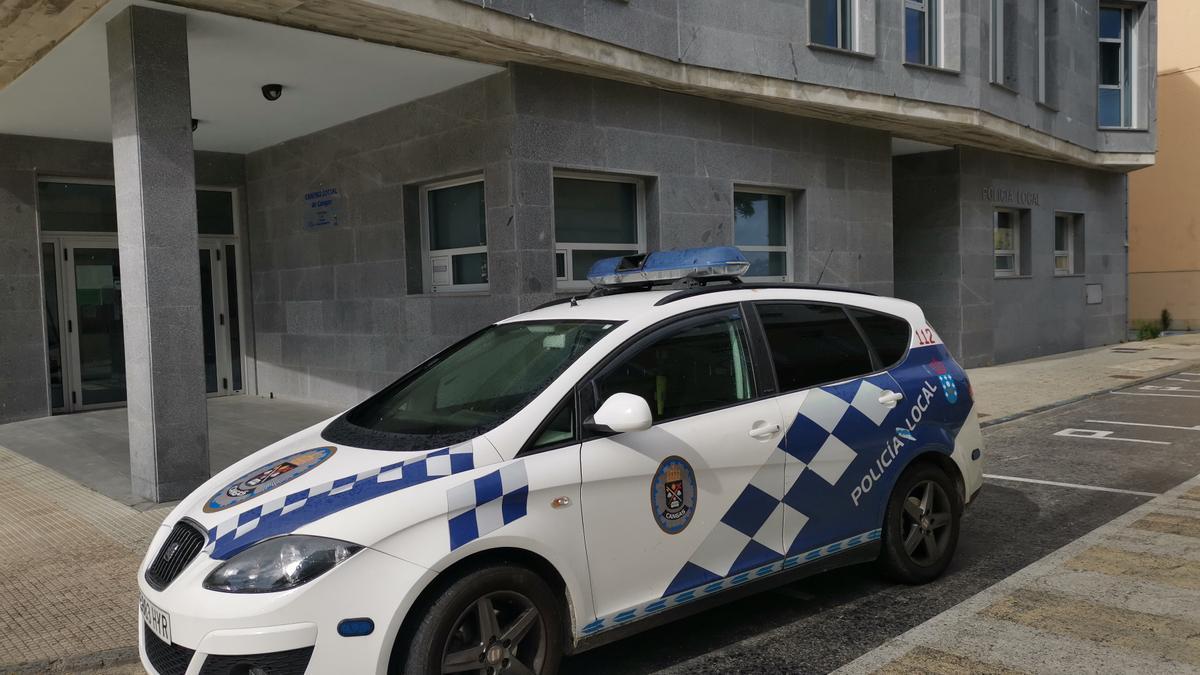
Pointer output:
x,y
1148,330
1165,318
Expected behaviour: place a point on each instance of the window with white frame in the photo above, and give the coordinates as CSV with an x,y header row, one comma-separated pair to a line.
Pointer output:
x,y
762,230
831,23
455,235
595,216
1068,237
922,37
1117,67
1006,240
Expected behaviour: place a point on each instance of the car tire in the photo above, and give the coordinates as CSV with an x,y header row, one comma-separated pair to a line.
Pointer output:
x,y
921,526
452,628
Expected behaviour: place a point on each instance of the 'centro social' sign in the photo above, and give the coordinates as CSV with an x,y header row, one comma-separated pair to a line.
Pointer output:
x,y
321,208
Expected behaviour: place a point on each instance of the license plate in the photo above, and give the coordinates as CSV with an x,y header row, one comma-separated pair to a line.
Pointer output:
x,y
157,620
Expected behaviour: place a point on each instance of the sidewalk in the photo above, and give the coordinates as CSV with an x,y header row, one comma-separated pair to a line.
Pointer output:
x,y
68,593
1004,391
1123,598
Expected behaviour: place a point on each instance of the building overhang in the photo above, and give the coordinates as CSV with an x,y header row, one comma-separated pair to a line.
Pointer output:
x,y
327,79
467,31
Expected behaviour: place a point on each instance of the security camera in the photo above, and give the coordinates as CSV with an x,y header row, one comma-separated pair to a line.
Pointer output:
x,y
272,92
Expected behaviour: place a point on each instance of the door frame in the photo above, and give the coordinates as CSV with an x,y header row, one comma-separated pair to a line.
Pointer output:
x,y
73,396
64,277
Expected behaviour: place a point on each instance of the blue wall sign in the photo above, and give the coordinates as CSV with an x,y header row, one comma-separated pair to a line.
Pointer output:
x,y
321,208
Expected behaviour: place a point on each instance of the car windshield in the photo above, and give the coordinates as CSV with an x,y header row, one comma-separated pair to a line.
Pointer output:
x,y
480,382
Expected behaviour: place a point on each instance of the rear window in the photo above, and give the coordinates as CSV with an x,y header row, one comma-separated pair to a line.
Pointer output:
x,y
812,344
888,334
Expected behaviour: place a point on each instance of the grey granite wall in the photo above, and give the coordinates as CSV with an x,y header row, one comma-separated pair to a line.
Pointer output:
x,y
770,37
926,209
24,388
691,152
1006,319
340,311
944,253
336,317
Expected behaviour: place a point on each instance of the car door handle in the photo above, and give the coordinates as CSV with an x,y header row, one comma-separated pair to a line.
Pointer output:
x,y
761,431
890,398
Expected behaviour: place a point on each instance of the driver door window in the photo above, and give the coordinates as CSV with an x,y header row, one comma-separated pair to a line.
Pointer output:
x,y
701,365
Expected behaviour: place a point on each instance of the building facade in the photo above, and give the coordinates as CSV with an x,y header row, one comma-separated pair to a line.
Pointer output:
x,y
1164,214
463,161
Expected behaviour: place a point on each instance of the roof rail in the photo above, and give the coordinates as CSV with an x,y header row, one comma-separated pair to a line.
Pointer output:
x,y
704,290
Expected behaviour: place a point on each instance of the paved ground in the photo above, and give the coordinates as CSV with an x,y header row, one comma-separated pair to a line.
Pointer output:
x,y
93,447
1015,388
1115,599
67,591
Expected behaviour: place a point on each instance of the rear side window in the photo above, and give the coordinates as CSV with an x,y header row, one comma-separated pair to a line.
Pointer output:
x,y
888,334
812,344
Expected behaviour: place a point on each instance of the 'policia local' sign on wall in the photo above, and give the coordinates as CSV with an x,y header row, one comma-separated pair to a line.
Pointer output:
x,y
321,208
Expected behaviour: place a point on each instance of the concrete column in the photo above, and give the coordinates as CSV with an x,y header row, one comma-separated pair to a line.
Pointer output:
x,y
154,167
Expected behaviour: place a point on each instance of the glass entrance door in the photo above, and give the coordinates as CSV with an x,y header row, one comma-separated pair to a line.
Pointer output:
x,y
85,335
99,333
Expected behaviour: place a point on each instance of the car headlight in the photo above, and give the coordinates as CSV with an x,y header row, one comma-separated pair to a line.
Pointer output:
x,y
279,564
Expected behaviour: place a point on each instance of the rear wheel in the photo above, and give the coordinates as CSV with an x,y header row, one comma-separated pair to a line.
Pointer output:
x,y
492,621
920,531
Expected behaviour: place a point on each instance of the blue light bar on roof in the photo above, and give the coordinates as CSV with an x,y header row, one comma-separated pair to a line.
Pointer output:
x,y
660,267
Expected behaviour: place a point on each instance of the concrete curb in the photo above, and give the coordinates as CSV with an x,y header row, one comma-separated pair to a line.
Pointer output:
x,y
1084,397
947,621
117,656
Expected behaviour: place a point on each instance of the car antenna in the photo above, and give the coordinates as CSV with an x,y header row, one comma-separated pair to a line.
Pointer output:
x,y
826,264
574,303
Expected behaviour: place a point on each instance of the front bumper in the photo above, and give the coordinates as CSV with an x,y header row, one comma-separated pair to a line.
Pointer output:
x,y
290,627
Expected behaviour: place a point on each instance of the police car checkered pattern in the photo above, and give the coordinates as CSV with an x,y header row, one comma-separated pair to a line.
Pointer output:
x,y
487,503
701,590
286,513
780,497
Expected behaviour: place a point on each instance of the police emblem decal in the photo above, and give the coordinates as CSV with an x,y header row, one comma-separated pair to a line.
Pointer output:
x,y
949,388
673,495
267,477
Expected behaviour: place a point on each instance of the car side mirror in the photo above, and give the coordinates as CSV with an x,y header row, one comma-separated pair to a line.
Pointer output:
x,y
622,413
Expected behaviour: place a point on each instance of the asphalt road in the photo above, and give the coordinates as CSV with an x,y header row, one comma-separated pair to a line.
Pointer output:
x,y
818,624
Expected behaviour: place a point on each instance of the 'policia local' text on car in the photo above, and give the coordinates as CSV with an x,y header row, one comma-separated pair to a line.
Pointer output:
x,y
569,475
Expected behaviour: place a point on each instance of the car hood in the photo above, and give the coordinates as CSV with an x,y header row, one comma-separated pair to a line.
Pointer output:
x,y
302,483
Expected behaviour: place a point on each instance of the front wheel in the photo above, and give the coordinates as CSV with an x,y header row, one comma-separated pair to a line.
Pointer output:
x,y
492,621
920,530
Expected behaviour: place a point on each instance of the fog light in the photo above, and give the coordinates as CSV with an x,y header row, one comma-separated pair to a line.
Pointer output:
x,y
976,454
355,627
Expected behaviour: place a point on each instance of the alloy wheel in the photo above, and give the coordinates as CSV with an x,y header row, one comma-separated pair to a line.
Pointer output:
x,y
501,632
925,523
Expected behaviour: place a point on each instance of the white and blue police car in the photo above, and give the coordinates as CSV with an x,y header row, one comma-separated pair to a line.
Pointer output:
x,y
567,476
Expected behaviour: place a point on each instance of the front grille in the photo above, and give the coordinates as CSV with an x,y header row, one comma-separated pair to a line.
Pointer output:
x,y
180,548
291,662
166,659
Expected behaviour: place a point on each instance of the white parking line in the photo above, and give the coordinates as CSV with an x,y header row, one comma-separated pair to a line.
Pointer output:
x,y
1182,379
1103,435
1143,424
1134,393
1077,486
1151,387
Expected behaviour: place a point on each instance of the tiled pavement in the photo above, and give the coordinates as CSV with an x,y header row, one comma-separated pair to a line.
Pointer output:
x,y
1123,599
68,597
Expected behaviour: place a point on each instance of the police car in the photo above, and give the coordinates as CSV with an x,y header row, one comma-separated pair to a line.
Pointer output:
x,y
573,474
